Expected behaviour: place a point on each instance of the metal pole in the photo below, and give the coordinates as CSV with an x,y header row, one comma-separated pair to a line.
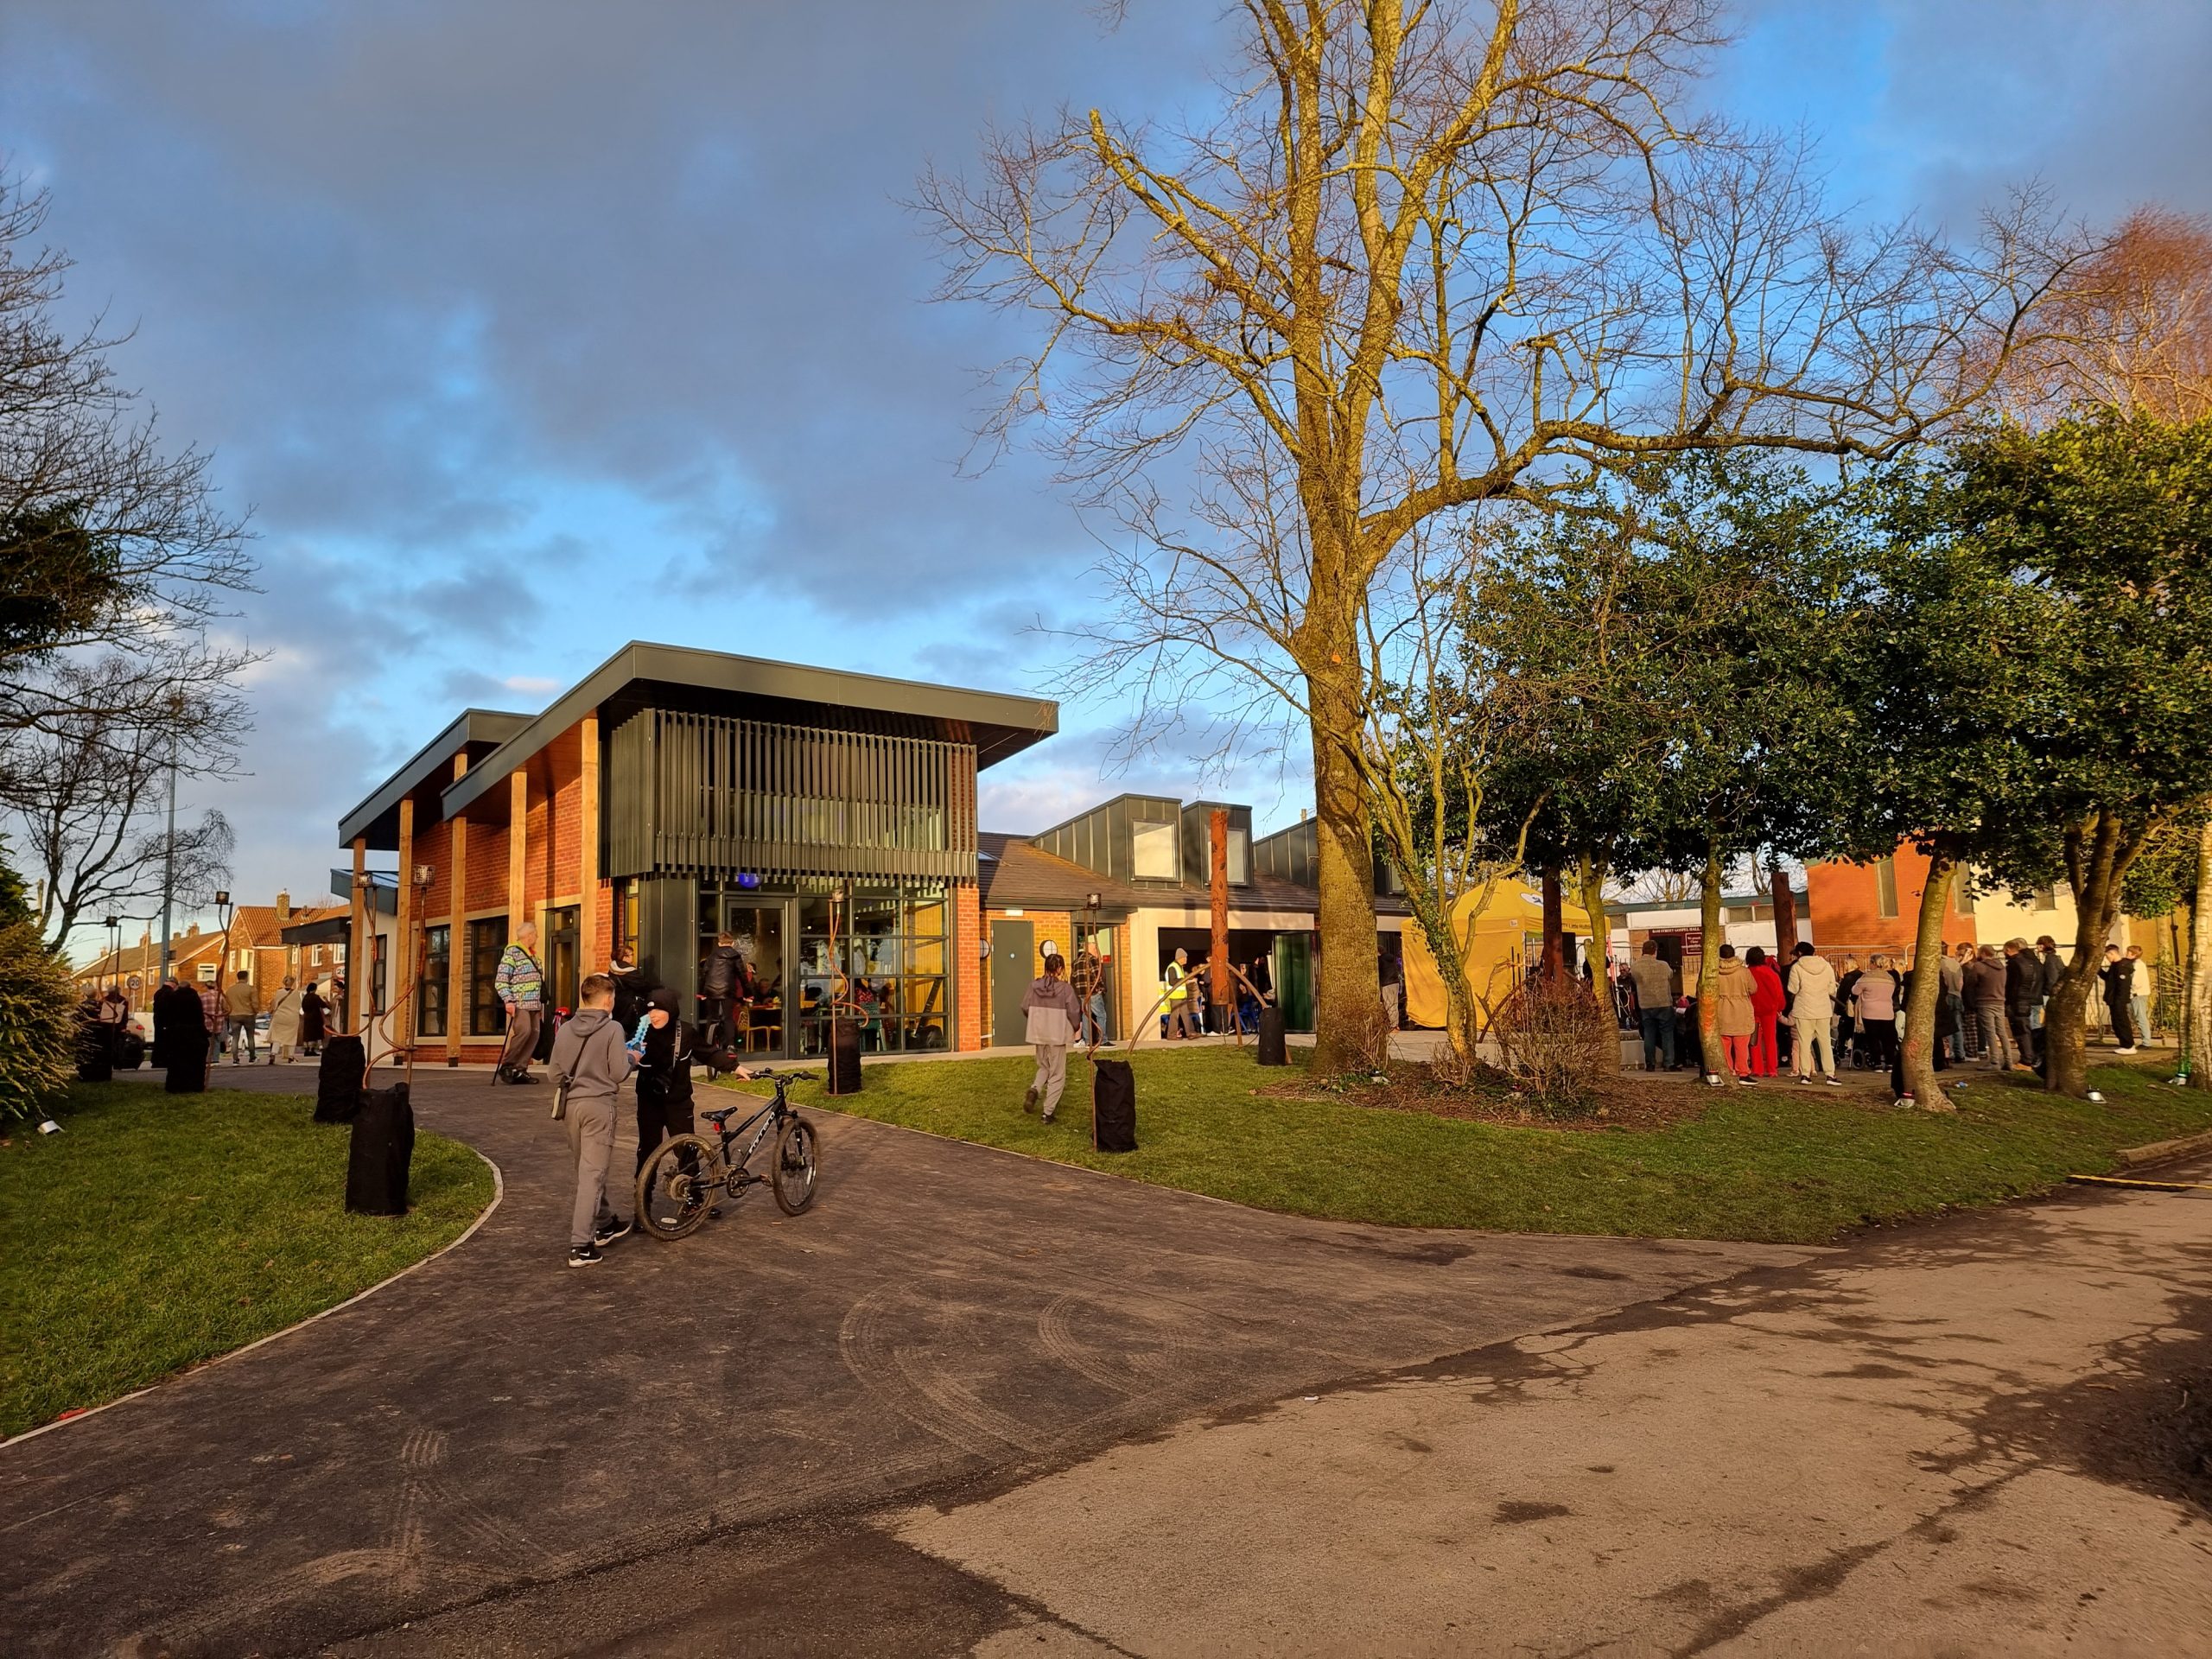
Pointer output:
x,y
168,867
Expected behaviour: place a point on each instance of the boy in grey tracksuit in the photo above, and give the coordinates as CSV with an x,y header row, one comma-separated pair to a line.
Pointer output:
x,y
589,1063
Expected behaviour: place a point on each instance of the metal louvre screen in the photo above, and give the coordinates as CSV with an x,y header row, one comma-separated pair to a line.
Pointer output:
x,y
707,792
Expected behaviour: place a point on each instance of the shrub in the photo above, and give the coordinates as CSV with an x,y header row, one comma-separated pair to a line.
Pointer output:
x,y
37,1024
1552,1036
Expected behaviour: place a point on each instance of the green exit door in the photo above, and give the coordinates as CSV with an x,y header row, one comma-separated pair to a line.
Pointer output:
x,y
1014,952
1293,975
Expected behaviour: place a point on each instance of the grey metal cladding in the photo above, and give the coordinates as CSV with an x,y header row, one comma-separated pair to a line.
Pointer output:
x,y
640,675
692,792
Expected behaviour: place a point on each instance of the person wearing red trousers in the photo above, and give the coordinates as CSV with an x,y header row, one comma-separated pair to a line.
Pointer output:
x,y
1768,1000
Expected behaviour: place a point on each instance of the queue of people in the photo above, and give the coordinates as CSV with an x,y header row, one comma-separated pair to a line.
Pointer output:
x,y
1819,1016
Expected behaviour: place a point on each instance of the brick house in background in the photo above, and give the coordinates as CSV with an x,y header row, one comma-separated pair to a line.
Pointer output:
x,y
256,945
1860,908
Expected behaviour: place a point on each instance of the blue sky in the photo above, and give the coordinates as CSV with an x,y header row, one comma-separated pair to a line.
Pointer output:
x,y
528,329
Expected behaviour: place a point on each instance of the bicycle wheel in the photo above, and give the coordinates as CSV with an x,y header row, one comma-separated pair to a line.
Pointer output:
x,y
677,1184
796,1162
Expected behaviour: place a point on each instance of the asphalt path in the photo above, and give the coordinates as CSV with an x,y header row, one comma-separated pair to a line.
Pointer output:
x,y
692,1447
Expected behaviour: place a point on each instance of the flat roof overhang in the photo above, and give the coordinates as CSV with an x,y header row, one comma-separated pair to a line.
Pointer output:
x,y
480,731
677,677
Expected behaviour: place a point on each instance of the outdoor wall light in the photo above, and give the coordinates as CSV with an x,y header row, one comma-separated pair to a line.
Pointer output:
x,y
1091,900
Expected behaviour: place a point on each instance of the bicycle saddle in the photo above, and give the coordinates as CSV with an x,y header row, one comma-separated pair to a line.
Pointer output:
x,y
722,1115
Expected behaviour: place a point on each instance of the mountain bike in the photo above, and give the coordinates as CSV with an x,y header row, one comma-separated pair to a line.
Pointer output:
x,y
680,1182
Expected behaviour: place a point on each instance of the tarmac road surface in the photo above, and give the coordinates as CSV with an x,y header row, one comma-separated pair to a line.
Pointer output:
x,y
718,1446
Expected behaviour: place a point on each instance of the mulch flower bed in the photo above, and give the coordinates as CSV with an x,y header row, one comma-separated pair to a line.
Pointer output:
x,y
1625,1101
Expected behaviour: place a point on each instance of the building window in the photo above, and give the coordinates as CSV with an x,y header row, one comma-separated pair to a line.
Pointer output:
x,y
430,1000
2046,898
206,973
1885,887
1962,894
625,917
1240,857
894,944
487,939
1152,852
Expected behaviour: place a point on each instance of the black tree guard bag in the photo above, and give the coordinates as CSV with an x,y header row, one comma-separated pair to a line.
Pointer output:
x,y
384,1147
1113,1106
1273,1050
338,1085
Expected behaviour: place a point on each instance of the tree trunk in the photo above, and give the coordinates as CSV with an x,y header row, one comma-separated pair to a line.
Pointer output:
x,y
1785,913
1554,925
2197,1019
1589,879
1920,1078
1350,990
1708,970
2065,1025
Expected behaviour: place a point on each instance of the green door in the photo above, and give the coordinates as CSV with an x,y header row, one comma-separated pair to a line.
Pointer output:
x,y
1294,974
1014,952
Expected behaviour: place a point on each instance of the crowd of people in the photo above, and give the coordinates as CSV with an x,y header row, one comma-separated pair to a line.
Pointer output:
x,y
1186,1009
1816,1016
195,1026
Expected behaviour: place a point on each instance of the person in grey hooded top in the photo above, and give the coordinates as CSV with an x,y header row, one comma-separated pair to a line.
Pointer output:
x,y
588,1065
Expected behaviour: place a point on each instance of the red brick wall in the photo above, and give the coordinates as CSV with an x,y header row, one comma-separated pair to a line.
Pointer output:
x,y
554,867
1844,900
970,990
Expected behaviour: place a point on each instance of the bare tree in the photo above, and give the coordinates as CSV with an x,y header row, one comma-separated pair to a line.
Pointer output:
x,y
2129,330
1439,718
108,541
1661,887
1424,255
86,793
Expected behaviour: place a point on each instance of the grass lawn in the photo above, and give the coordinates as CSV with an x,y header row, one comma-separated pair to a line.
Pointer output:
x,y
158,1230
1782,1164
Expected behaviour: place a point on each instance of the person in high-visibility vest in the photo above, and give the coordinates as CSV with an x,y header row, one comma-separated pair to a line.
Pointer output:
x,y
1179,1023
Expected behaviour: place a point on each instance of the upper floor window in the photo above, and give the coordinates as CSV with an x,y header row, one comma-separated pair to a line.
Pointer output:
x,y
1885,887
1152,852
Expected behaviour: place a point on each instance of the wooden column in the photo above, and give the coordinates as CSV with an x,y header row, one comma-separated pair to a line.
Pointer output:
x,y
1785,913
402,966
588,960
357,943
1220,988
457,928
517,850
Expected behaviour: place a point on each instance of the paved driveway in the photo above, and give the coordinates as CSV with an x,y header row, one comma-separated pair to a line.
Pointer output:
x,y
949,1322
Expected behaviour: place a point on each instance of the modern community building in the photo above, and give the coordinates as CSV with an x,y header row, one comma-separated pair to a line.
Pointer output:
x,y
826,820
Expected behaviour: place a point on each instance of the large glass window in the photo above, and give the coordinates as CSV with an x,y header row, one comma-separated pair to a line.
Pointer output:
x,y
487,939
886,967
430,998
1885,887
1240,856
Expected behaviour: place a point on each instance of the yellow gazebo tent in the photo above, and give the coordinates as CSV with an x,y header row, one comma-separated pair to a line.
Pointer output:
x,y
1506,937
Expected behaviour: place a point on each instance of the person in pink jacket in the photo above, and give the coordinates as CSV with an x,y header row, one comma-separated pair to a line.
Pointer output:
x,y
1053,1012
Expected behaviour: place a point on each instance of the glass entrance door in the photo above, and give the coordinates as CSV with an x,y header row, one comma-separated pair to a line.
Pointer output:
x,y
757,927
562,959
